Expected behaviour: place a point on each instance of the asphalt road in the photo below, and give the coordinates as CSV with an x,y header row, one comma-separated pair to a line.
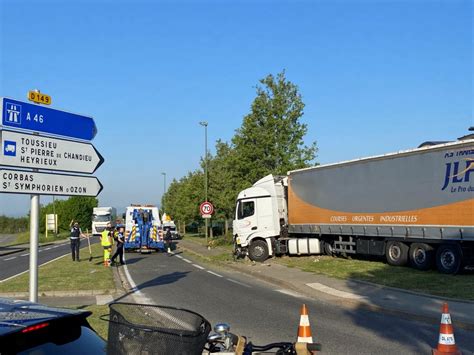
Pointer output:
x,y
265,313
16,263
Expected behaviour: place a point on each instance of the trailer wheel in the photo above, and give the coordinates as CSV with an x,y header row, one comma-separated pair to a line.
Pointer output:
x,y
396,253
449,258
421,256
329,248
258,251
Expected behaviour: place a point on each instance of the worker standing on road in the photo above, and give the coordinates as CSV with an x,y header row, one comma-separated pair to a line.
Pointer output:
x,y
168,240
106,242
119,251
75,237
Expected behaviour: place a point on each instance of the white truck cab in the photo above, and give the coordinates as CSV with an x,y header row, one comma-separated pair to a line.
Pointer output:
x,y
261,212
101,216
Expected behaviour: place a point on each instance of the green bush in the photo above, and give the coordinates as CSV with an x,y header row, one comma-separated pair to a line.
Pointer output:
x,y
11,225
223,240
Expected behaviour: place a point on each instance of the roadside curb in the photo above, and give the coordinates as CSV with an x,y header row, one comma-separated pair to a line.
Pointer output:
x,y
61,293
338,300
121,282
12,251
412,292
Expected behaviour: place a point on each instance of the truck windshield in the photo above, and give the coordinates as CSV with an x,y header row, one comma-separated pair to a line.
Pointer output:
x,y
101,218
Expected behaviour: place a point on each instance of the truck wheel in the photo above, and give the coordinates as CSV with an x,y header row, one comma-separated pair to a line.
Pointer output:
x,y
328,248
421,256
258,251
396,253
449,258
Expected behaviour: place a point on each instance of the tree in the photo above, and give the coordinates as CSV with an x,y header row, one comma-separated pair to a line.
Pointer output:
x,y
270,140
183,197
223,182
13,225
78,208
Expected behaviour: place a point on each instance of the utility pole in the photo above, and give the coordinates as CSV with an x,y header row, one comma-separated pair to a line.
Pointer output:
x,y
164,188
204,124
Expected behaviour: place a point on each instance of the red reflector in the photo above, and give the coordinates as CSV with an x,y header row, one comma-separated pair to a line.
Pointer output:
x,y
35,327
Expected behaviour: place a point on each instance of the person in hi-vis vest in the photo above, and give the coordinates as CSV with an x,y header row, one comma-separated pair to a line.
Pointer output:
x,y
106,241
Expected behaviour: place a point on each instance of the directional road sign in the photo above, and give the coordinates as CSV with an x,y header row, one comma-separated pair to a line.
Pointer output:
x,y
26,116
32,151
25,182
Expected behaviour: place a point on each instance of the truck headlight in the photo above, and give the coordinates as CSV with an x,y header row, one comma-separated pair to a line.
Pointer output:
x,y
237,240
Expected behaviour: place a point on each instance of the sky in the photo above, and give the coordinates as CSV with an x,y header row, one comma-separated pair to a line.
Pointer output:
x,y
376,76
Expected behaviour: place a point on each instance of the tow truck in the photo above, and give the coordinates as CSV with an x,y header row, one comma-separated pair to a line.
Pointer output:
x,y
142,229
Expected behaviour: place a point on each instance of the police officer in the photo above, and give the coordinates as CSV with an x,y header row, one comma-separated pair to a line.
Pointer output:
x,y
75,238
119,251
106,242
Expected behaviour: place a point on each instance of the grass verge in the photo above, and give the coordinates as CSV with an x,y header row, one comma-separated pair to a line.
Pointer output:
x,y
99,325
376,271
66,275
429,282
224,242
24,238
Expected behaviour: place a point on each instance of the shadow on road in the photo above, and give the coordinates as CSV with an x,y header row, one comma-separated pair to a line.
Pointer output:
x,y
419,338
157,281
163,280
133,260
424,332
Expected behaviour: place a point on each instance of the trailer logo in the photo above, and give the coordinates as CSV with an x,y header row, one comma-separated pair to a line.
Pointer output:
x,y
458,172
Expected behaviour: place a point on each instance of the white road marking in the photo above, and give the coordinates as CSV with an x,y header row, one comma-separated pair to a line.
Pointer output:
x,y
139,297
188,261
179,256
291,293
332,291
198,266
10,258
136,293
47,248
213,273
25,254
239,283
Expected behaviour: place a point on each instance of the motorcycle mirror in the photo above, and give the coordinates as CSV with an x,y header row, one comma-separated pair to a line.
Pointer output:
x,y
221,328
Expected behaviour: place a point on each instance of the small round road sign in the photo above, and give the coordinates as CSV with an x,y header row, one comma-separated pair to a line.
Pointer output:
x,y
206,208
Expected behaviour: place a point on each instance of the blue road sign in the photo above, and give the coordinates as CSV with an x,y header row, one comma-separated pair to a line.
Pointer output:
x,y
25,116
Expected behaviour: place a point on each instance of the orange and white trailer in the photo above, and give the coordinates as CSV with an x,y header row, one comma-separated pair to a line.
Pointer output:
x,y
412,206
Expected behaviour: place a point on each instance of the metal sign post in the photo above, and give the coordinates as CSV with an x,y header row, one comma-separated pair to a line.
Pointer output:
x,y
34,242
207,209
34,238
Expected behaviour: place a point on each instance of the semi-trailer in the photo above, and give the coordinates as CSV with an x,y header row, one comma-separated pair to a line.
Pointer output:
x,y
414,206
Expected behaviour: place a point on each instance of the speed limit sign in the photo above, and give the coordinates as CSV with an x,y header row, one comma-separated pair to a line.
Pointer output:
x,y
206,209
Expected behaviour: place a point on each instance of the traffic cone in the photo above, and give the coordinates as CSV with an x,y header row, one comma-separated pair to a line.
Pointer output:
x,y
304,330
446,343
